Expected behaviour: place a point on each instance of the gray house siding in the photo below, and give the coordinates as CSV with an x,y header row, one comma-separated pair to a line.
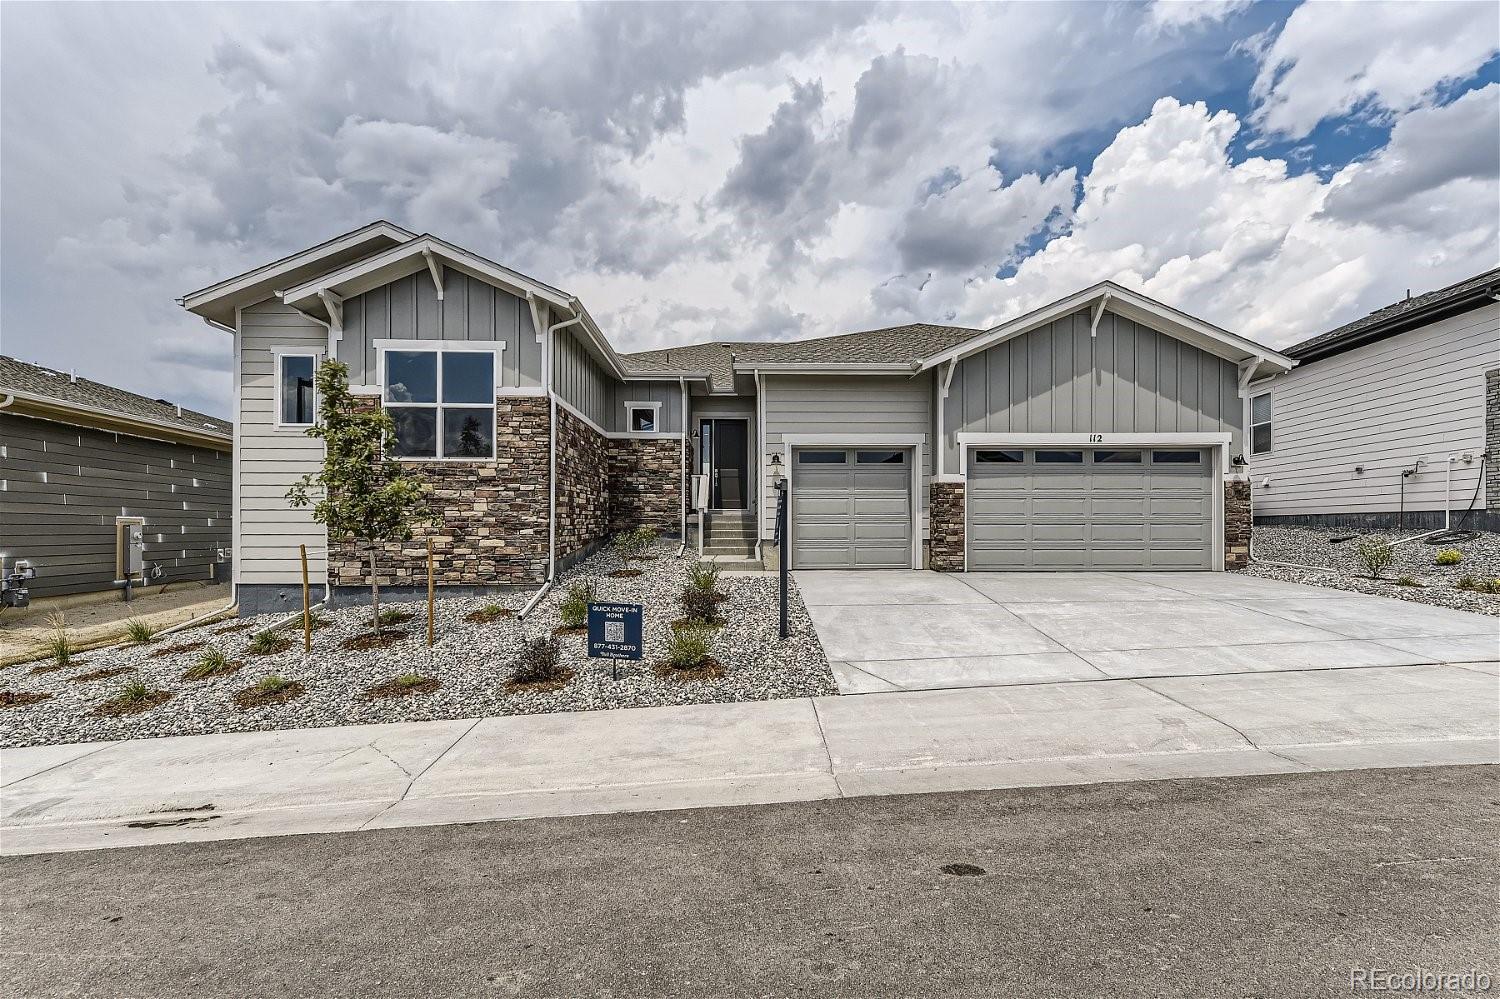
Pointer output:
x,y
268,530
580,380
61,488
669,394
849,405
470,309
1343,428
1059,379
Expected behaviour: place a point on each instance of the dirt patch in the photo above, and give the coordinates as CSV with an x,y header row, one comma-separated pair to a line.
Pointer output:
x,y
708,669
52,668
250,697
541,687
962,870
117,706
233,628
101,674
627,573
486,616
21,698
393,689
172,650
581,630
374,640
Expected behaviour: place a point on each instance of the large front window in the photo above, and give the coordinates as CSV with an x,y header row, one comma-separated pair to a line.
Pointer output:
x,y
442,402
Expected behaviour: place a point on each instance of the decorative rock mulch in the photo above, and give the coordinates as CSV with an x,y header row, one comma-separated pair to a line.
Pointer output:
x,y
471,660
1415,560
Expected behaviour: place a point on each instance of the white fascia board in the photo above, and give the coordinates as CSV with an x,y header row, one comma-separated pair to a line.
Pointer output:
x,y
194,300
1207,438
853,440
1131,305
668,376
827,367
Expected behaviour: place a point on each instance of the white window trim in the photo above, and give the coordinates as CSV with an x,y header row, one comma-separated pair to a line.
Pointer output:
x,y
492,347
655,408
1250,424
277,353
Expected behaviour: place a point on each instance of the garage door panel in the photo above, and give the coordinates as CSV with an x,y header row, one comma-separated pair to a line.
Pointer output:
x,y
854,513
1120,514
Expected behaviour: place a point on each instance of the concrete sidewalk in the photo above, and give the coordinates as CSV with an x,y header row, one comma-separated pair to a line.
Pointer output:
x,y
63,798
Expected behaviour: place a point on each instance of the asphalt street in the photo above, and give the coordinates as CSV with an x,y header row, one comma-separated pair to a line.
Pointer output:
x,y
1236,887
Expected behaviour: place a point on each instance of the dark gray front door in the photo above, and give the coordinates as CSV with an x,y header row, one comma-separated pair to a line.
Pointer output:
x,y
1090,508
726,456
851,508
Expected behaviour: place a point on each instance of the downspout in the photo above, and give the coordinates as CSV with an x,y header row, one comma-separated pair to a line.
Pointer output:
x,y
760,461
548,350
683,483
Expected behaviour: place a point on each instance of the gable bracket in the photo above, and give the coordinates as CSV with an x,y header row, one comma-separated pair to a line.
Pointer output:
x,y
1098,315
435,270
335,306
1247,372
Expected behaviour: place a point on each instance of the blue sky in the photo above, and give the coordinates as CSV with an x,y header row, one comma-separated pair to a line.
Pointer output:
x,y
734,172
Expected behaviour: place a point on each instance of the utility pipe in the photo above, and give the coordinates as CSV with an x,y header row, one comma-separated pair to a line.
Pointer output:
x,y
684,484
548,350
1266,561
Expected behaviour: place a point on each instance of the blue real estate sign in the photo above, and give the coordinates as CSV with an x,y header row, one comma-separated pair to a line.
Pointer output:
x,y
615,631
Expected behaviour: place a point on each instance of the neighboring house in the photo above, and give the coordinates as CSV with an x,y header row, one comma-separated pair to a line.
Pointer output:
x,y
89,472
1101,431
1387,421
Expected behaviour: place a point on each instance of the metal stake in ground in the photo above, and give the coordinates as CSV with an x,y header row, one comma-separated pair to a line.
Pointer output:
x,y
306,607
429,593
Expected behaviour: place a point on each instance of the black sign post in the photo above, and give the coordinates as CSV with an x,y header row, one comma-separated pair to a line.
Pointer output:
x,y
783,547
615,633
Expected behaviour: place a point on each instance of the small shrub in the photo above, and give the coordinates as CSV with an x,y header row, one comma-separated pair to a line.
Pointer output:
x,y
1408,581
704,576
1475,584
59,646
405,685
629,546
410,680
1449,556
575,606
211,663
132,698
133,691
271,689
273,683
391,617
139,632
1376,554
688,648
699,605
540,661
266,643
490,613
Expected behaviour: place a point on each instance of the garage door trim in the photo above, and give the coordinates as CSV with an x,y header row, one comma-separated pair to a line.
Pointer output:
x,y
915,443
1218,445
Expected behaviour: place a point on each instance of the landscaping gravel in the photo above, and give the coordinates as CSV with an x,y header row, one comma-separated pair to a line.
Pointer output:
x,y
472,661
1414,560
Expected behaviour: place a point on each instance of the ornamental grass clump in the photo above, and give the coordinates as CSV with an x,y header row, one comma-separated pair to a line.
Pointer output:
x,y
59,645
1449,556
267,643
574,609
1376,554
139,632
1475,584
211,663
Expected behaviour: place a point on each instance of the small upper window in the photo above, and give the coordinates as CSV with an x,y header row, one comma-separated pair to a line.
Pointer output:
x,y
1260,424
296,395
820,457
999,457
1177,457
1059,457
879,458
641,418
1117,457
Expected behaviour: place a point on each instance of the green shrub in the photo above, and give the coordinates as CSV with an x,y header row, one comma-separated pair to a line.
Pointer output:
x,y
575,606
60,647
700,606
1408,581
632,544
540,661
275,683
210,663
1449,556
139,632
391,617
266,642
1376,554
1475,584
410,680
704,576
687,648
133,692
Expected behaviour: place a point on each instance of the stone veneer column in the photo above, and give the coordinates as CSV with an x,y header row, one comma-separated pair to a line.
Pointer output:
x,y
491,524
1492,441
645,483
1237,523
946,516
582,484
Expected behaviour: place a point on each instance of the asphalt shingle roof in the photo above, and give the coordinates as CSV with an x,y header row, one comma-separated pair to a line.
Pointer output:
x,y
913,342
1361,329
33,379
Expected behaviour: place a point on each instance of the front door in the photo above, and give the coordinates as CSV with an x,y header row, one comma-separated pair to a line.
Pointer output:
x,y
726,458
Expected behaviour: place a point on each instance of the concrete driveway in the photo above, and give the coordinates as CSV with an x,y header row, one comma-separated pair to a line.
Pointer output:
x,y
887,630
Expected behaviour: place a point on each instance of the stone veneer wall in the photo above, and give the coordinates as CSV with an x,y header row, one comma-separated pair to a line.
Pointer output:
x,y
1236,523
492,517
1492,441
946,547
582,484
645,483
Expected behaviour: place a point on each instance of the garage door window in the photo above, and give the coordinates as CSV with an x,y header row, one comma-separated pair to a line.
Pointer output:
x,y
879,457
820,457
1059,457
999,457
1177,457
1117,457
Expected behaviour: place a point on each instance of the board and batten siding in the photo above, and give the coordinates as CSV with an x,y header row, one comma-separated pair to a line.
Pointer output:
x,y
849,405
1059,379
62,486
470,309
581,381
1415,396
268,529
669,394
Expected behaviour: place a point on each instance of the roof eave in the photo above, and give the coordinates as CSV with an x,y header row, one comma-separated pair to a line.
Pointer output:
x,y
828,367
48,408
1396,325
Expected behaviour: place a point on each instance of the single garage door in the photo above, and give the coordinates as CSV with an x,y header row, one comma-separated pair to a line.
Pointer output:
x,y
851,508
1090,508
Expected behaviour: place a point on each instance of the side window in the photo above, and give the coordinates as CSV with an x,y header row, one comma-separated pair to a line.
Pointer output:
x,y
641,418
296,397
442,403
1260,424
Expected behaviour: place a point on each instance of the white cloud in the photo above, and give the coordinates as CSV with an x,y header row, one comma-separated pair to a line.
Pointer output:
x,y
1183,15
1372,56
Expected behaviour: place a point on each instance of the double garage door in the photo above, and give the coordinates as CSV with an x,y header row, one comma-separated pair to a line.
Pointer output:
x,y
851,508
1091,508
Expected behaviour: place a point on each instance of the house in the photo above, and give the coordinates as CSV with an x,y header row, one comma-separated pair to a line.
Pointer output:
x,y
1101,431
99,486
1389,421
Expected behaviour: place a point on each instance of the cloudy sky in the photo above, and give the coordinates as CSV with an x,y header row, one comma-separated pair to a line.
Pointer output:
x,y
766,171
